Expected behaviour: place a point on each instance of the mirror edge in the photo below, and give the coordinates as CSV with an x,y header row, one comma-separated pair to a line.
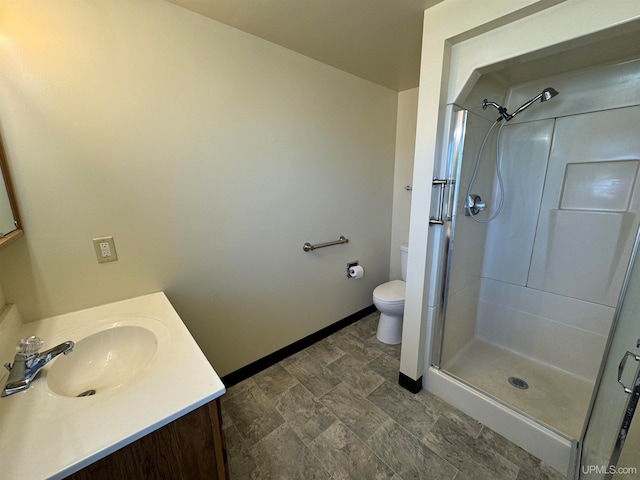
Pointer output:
x,y
4,169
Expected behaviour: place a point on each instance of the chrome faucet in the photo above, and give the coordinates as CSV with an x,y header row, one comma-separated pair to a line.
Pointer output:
x,y
28,362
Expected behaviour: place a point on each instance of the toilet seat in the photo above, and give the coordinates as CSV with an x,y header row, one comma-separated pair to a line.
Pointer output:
x,y
390,292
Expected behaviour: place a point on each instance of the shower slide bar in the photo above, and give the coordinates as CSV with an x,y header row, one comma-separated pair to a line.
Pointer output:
x,y
307,247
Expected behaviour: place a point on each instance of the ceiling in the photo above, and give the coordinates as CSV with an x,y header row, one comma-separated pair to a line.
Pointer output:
x,y
378,40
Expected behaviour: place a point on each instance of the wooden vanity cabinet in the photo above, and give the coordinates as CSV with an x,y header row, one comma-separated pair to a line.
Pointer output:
x,y
189,448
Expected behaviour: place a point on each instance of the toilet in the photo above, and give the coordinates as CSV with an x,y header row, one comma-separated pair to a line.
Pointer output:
x,y
389,300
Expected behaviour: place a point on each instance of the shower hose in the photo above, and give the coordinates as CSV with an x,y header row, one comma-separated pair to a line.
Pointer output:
x,y
498,175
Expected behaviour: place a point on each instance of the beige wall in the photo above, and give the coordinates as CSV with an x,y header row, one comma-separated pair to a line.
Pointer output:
x,y
210,155
403,174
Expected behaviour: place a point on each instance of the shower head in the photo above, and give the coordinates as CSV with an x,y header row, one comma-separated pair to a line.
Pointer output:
x,y
547,94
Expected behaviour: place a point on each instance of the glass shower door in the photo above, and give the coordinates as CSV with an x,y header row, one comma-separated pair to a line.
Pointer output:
x,y
607,433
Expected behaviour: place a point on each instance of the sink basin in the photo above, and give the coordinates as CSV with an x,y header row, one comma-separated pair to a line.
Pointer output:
x,y
102,361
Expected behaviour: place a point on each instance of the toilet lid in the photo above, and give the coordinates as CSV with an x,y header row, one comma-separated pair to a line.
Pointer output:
x,y
392,291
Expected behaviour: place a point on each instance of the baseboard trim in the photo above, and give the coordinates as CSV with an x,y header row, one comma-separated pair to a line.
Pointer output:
x,y
265,362
414,386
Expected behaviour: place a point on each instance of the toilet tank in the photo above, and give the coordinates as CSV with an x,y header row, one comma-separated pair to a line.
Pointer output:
x,y
404,251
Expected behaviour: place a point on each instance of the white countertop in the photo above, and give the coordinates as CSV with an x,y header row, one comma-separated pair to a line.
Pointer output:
x,y
48,436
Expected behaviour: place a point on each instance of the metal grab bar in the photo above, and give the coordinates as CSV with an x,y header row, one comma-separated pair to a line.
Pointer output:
x,y
307,247
439,220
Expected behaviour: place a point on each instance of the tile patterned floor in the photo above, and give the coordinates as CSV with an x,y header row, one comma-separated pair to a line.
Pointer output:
x,y
335,411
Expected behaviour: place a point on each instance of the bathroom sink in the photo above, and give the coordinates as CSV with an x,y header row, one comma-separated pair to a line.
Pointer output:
x,y
102,361
128,356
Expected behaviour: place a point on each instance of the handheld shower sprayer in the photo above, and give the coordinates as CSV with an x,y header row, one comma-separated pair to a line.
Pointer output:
x,y
547,94
473,204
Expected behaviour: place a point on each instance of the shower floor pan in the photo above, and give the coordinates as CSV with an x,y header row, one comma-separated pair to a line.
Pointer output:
x,y
553,397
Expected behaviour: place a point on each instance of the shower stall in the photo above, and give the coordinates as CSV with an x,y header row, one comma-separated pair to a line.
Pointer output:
x,y
544,209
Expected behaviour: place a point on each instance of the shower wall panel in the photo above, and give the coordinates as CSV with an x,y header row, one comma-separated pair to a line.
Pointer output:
x,y
590,207
594,89
524,149
469,242
548,328
552,274
462,311
470,237
546,272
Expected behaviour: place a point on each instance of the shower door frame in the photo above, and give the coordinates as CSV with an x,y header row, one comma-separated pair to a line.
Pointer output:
x,y
452,170
611,358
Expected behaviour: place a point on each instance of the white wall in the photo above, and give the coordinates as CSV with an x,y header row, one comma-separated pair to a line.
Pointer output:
x,y
403,175
210,155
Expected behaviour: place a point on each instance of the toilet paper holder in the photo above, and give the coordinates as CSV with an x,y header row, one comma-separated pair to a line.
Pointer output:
x,y
349,265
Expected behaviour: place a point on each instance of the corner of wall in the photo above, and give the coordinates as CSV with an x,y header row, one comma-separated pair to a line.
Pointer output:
x,y
402,175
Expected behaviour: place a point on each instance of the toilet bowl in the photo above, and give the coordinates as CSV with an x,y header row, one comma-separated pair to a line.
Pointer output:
x,y
389,300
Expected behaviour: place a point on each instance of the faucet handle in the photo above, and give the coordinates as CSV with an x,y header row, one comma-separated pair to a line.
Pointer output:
x,y
29,345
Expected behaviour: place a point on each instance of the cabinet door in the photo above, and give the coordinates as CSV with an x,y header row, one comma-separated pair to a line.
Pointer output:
x,y
189,448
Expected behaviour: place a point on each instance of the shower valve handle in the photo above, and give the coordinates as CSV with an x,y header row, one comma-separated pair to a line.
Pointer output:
x,y
475,204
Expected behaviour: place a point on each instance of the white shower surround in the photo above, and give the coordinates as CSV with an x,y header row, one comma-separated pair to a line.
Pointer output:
x,y
529,299
490,296
459,47
544,333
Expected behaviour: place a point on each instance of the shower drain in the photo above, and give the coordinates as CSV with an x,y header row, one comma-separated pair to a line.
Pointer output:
x,y
518,383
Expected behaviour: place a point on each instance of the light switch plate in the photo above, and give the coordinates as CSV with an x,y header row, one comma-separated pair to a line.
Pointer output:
x,y
105,249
